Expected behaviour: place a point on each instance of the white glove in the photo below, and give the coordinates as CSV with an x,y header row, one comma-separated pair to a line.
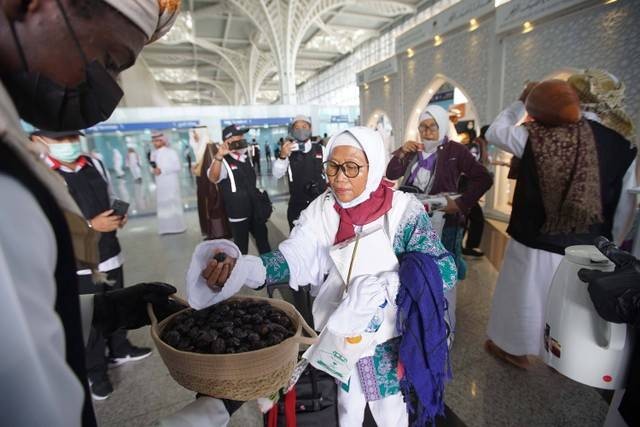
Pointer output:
x,y
365,295
248,271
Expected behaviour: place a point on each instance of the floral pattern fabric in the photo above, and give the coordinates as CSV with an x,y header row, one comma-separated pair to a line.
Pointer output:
x,y
379,373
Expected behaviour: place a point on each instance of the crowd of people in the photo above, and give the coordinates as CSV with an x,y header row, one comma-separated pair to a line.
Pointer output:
x,y
66,308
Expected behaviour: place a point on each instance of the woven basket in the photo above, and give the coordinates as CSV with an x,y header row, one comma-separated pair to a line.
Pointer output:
x,y
240,376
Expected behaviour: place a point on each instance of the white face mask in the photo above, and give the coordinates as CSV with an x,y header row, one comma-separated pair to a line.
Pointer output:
x,y
429,145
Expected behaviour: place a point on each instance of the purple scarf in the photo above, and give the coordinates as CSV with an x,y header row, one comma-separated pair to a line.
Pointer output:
x,y
423,347
423,162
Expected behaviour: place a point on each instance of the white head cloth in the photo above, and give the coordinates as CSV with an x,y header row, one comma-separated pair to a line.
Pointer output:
x,y
153,17
301,118
369,141
441,117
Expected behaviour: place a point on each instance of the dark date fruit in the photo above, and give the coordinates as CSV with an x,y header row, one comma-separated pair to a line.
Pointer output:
x,y
228,328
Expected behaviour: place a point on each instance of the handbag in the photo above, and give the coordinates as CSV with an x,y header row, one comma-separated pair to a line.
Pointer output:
x,y
262,207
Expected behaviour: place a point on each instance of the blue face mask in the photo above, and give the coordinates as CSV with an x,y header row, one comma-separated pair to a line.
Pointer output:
x,y
65,151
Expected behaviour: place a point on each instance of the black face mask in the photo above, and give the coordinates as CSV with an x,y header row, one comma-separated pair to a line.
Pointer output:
x,y
50,106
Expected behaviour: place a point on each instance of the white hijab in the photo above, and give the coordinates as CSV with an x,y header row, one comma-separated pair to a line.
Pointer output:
x,y
441,117
369,141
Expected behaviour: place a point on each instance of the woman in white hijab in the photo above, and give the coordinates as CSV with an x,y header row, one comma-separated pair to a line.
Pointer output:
x,y
357,201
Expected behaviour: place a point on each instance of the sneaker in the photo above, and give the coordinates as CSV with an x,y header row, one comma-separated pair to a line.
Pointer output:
x,y
472,252
132,354
101,387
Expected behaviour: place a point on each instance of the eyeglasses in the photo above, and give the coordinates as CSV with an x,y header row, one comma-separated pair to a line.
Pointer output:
x,y
432,128
349,169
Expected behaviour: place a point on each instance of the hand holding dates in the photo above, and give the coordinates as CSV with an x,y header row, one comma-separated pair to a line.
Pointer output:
x,y
218,269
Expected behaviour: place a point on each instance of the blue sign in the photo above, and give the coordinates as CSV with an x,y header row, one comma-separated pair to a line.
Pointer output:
x,y
128,127
340,119
268,121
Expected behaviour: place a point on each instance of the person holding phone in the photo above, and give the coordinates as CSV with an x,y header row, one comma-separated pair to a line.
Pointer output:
x,y
232,171
89,184
300,159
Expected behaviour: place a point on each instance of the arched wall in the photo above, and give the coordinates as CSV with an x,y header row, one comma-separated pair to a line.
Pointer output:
x,y
411,126
372,121
600,36
492,68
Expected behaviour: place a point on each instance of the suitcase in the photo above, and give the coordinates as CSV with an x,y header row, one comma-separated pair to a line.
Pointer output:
x,y
313,401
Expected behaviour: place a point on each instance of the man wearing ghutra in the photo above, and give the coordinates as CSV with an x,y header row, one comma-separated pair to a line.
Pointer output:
x,y
168,198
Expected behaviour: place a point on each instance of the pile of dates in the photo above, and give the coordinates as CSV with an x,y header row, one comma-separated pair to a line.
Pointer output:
x,y
229,327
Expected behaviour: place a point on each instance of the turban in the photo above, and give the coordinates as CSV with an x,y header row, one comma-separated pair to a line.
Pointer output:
x,y
153,17
602,93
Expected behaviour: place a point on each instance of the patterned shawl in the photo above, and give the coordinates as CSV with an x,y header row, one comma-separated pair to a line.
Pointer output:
x,y
567,164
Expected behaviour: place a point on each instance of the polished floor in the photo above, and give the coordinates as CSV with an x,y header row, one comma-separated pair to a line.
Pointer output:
x,y
483,392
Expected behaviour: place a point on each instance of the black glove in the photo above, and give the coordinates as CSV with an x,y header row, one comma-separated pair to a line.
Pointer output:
x,y
127,307
616,294
619,257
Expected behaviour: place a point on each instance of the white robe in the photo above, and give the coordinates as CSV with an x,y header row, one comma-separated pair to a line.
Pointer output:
x,y
168,197
133,161
117,162
307,254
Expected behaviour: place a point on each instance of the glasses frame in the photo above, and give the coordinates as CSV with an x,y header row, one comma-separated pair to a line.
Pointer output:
x,y
424,128
342,167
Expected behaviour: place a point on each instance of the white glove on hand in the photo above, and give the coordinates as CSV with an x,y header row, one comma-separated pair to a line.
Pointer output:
x,y
365,295
248,271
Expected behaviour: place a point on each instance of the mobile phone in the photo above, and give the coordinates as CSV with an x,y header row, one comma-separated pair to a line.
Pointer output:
x,y
119,207
153,164
238,145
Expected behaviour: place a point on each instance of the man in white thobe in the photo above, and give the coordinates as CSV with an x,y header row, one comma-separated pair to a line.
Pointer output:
x,y
168,197
133,161
516,323
117,163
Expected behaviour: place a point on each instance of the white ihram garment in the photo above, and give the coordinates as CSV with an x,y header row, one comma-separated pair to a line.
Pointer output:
x,y
133,162
168,197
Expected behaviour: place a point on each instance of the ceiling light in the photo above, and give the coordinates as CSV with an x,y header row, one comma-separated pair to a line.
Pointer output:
x,y
386,79
410,53
473,24
366,86
437,40
609,1
527,27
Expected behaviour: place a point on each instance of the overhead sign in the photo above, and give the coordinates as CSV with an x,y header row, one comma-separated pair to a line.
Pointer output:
x,y
130,127
384,68
266,121
513,14
343,118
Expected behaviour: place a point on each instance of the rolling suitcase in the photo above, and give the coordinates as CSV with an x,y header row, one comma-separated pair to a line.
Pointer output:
x,y
313,401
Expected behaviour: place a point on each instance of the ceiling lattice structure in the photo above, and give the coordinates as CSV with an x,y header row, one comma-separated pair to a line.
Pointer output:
x,y
258,51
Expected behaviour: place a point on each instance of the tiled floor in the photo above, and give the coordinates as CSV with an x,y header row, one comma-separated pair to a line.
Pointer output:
x,y
483,392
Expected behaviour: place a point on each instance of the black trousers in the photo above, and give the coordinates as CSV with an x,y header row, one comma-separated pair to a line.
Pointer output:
x,y
258,230
116,343
475,227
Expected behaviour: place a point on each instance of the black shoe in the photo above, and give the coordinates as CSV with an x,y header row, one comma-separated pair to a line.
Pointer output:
x,y
133,353
472,252
101,387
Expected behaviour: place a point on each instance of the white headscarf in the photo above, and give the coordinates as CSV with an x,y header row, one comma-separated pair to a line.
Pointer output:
x,y
369,141
441,116
153,17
